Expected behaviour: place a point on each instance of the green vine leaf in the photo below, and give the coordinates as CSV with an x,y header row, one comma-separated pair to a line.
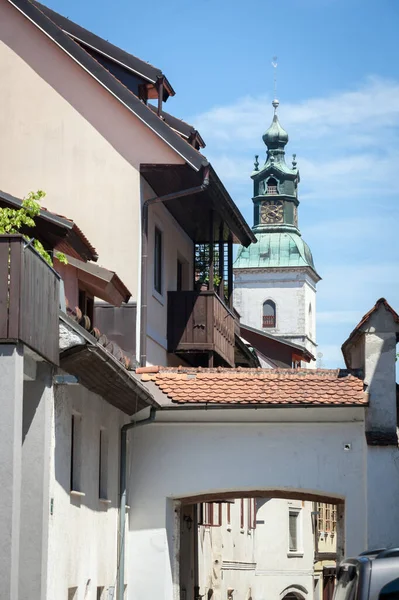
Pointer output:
x,y
12,220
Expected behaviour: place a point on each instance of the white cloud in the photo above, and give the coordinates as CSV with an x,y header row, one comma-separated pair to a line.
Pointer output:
x,y
358,112
352,134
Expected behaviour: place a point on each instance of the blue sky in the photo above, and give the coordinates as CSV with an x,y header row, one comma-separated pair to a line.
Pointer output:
x,y
338,86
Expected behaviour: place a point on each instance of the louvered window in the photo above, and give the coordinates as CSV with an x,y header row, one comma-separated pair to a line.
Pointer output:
x,y
210,514
293,531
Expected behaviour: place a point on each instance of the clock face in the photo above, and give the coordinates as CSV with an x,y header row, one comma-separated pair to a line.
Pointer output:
x,y
271,212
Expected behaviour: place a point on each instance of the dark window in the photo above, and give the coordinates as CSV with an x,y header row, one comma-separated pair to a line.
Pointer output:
x,y
272,186
179,276
76,441
103,465
158,260
269,314
86,305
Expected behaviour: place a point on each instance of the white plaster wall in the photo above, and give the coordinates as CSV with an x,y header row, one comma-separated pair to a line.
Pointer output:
x,y
292,292
227,554
185,459
62,132
83,531
382,493
260,564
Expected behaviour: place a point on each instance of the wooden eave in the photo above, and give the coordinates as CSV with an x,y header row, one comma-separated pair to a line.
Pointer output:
x,y
101,282
132,63
193,212
265,343
101,373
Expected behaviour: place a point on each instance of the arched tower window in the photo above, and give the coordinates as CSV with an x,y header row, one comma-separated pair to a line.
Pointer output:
x,y
269,314
272,186
310,317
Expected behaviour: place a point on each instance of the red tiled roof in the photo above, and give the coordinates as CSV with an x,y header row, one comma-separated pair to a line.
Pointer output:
x,y
318,387
380,302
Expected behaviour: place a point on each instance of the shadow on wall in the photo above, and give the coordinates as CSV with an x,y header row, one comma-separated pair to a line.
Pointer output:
x,y
77,461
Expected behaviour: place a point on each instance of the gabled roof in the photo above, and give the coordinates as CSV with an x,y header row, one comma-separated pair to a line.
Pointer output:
x,y
56,230
87,38
97,369
266,340
272,388
101,282
109,82
184,129
194,160
363,321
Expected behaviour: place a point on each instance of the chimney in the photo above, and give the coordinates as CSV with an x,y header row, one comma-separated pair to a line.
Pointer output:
x,y
371,347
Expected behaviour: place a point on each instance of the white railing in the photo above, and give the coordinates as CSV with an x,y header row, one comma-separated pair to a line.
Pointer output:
x,y
272,189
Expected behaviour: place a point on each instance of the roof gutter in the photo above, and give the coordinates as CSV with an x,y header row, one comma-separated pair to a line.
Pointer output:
x,y
144,253
122,504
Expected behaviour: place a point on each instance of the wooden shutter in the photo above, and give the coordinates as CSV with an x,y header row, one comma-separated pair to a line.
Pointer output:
x,y
293,531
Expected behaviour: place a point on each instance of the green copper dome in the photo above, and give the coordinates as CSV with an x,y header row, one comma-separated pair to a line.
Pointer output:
x,y
275,137
275,249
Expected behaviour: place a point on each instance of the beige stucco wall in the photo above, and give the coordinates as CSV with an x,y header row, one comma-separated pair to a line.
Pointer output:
x,y
176,246
62,132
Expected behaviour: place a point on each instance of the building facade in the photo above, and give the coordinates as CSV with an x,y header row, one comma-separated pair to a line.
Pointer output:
x,y
88,508
275,279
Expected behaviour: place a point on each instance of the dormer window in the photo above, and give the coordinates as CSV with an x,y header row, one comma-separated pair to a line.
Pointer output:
x,y
269,314
272,186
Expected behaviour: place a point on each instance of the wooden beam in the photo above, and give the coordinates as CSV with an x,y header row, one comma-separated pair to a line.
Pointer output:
x,y
287,494
230,270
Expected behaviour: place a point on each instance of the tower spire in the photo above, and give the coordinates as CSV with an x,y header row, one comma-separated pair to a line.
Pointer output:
x,y
275,102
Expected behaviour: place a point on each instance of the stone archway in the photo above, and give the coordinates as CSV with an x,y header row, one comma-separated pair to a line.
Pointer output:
x,y
294,592
193,586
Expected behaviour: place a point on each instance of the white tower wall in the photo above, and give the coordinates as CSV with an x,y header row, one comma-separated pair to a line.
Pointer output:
x,y
294,293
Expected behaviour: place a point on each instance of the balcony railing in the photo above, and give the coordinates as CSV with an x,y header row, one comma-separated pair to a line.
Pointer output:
x,y
272,189
269,321
29,299
200,322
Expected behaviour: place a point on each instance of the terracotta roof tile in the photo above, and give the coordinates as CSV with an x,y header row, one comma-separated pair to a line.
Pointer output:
x,y
331,387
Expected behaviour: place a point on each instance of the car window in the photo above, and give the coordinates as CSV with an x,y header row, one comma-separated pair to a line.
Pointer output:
x,y
390,591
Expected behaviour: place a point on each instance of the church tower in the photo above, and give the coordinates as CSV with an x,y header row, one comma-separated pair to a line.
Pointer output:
x,y
275,279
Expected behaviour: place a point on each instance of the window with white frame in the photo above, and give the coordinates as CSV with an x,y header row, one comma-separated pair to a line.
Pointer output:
x,y
294,530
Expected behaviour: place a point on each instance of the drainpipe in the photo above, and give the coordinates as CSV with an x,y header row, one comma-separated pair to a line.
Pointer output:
x,y
122,505
144,254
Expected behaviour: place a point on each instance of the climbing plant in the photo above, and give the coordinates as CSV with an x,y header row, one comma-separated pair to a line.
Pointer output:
x,y
13,220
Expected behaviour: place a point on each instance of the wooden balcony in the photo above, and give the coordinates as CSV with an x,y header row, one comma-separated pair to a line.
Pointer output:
x,y
199,323
29,299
